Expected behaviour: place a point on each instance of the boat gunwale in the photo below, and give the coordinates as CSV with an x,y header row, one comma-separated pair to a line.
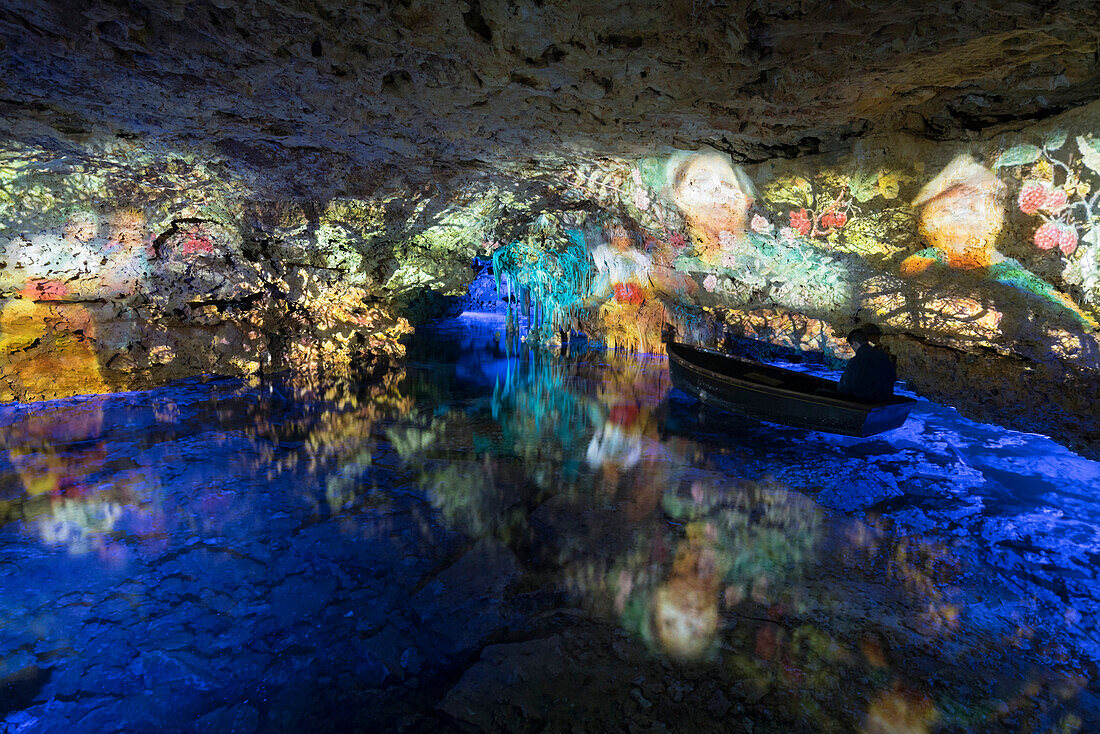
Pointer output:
x,y
855,407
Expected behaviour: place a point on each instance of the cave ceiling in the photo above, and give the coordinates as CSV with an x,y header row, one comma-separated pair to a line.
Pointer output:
x,y
341,98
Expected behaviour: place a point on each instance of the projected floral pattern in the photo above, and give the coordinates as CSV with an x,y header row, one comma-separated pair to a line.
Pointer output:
x,y
925,239
1061,188
700,237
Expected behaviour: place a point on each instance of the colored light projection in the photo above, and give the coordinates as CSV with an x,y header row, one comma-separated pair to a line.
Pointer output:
x,y
724,568
924,243
588,493
122,267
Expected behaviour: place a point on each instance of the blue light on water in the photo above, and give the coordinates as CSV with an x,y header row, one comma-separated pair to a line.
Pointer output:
x,y
359,553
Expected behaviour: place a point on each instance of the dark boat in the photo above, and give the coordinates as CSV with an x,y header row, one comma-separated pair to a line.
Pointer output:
x,y
779,395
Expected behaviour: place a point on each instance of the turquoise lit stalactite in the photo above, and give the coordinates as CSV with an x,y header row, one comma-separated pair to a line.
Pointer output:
x,y
550,271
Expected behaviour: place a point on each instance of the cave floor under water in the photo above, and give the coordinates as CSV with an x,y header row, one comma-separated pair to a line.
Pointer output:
x,y
494,538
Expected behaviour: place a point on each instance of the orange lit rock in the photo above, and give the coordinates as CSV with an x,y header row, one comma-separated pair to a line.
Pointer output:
x,y
961,213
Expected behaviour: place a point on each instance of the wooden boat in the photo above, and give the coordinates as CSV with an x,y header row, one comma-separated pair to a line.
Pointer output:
x,y
779,395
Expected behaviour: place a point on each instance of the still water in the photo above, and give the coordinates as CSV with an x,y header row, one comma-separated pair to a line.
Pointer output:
x,y
493,538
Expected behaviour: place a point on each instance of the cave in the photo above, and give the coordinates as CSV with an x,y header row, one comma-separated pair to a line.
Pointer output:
x,y
335,378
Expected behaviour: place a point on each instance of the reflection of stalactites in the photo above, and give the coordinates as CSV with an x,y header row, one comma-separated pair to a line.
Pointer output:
x,y
46,347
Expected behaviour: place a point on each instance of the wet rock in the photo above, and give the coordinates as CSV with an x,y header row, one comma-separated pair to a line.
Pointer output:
x,y
412,661
718,705
865,487
302,596
20,685
238,719
463,604
499,674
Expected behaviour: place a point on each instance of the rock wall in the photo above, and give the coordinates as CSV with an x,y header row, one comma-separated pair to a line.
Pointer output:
x,y
198,188
109,301
125,263
981,262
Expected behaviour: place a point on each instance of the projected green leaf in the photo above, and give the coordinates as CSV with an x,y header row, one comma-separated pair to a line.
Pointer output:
x,y
1018,155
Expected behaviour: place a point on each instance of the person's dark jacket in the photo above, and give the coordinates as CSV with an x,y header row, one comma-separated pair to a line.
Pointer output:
x,y
870,375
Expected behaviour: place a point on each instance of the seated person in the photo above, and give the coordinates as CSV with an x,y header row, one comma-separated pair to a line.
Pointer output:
x,y
870,375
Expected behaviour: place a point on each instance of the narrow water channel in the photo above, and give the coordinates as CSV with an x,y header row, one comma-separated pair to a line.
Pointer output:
x,y
495,538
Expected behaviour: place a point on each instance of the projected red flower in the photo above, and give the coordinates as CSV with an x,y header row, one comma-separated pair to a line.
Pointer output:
x,y
629,293
834,219
800,220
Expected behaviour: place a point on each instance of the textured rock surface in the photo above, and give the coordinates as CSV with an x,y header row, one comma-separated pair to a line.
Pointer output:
x,y
307,96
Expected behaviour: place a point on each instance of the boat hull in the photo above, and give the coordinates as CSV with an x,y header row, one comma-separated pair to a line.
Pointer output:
x,y
777,395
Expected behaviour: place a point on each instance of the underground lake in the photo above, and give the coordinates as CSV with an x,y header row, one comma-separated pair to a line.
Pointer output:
x,y
495,536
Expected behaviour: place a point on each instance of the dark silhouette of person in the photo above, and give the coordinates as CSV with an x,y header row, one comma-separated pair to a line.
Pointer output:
x,y
870,375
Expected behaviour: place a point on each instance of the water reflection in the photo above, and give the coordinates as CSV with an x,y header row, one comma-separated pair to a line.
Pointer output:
x,y
319,541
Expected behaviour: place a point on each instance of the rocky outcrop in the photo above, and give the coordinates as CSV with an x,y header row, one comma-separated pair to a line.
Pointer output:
x,y
109,302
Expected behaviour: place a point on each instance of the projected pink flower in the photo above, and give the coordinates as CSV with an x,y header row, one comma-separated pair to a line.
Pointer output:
x,y
677,240
197,244
1032,197
710,282
800,220
1056,234
760,225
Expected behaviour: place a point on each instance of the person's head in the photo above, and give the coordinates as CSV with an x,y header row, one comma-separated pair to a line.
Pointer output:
x,y
857,338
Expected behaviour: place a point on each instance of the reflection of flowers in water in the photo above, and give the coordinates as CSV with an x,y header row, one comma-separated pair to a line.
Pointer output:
x,y
93,525
900,710
78,525
612,445
741,544
685,604
924,569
